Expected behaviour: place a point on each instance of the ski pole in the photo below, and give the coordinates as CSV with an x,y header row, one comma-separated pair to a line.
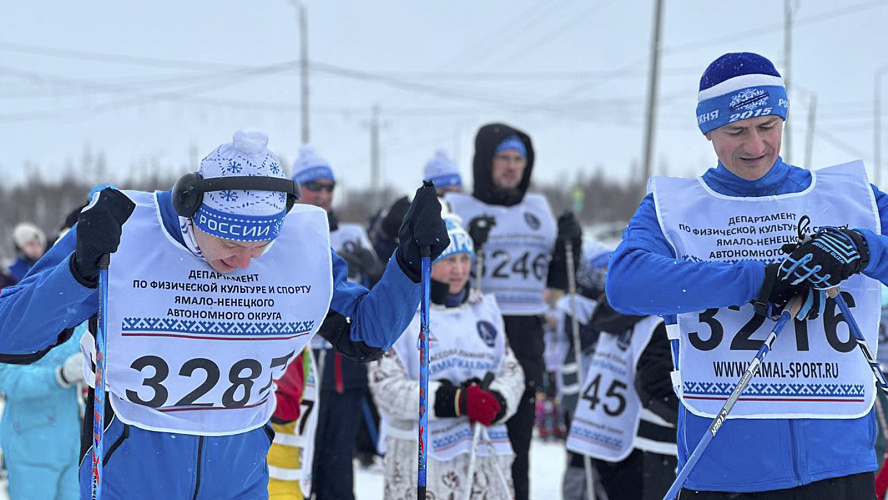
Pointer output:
x,y
575,329
473,456
495,460
424,373
99,391
789,312
476,436
858,335
482,223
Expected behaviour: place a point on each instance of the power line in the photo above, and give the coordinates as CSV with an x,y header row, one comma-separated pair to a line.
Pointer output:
x,y
559,30
774,28
499,36
154,96
839,144
120,58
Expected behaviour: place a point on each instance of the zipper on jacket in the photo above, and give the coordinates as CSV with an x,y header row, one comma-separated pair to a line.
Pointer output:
x,y
793,448
199,459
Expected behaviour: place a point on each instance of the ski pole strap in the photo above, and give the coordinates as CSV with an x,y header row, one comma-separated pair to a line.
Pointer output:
x,y
858,336
762,305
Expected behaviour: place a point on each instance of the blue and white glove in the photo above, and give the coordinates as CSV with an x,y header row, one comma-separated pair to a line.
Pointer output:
x,y
826,259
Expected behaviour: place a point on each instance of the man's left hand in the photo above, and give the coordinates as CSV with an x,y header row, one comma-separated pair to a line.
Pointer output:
x,y
826,259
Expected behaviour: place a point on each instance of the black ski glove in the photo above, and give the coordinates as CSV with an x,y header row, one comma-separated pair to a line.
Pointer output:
x,y
826,259
568,230
446,405
479,229
422,226
778,291
332,221
98,233
362,261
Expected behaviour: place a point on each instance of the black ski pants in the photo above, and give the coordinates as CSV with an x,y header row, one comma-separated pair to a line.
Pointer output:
x,y
854,487
525,334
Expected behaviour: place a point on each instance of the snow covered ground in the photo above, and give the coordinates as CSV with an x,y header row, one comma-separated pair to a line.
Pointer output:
x,y
547,461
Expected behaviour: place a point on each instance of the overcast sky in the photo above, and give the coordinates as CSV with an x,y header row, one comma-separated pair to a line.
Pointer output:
x,y
158,84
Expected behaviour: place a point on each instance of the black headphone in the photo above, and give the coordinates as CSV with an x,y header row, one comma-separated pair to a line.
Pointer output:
x,y
189,191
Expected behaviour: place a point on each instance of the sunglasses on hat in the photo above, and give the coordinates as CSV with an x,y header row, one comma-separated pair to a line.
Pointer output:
x,y
317,186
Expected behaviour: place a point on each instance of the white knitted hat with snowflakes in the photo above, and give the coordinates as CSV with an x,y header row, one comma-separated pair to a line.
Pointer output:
x,y
246,155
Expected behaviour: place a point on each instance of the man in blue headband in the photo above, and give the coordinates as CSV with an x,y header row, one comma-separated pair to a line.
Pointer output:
x,y
343,384
214,287
443,173
524,253
719,256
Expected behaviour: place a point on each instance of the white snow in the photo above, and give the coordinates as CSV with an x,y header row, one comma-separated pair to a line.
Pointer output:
x,y
547,462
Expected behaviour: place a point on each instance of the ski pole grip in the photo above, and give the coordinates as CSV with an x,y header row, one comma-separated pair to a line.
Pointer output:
x,y
794,305
832,292
425,251
104,261
488,379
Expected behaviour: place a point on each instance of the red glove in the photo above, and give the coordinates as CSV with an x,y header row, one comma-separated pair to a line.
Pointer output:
x,y
479,405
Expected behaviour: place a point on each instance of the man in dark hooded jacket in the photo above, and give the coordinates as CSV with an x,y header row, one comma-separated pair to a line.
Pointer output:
x,y
518,248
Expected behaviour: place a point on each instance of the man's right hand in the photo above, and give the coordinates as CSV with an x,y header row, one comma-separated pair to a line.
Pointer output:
x,y
778,291
98,233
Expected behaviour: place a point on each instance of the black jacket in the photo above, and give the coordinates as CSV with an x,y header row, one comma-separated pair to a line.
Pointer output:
x,y
486,141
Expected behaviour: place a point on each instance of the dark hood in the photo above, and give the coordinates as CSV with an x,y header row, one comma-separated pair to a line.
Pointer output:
x,y
606,319
488,138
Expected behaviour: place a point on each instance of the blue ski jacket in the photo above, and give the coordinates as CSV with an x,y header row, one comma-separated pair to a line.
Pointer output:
x,y
50,300
40,428
747,455
145,464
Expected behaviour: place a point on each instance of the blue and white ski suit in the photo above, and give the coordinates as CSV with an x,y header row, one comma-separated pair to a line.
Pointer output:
x,y
148,464
747,455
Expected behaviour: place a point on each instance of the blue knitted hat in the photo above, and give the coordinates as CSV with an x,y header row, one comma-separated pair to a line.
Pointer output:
x,y
309,166
442,172
460,241
738,86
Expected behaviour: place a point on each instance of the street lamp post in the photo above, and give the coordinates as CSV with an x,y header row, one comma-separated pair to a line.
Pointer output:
x,y
301,17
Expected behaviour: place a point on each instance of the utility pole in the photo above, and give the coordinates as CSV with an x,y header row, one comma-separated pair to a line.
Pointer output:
x,y
374,156
647,157
303,70
809,135
787,56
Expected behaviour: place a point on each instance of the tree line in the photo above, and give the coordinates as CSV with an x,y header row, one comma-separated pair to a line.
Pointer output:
x,y
47,203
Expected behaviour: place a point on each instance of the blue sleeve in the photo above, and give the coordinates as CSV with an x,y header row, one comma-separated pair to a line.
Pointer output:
x,y
877,243
378,317
47,301
26,382
645,277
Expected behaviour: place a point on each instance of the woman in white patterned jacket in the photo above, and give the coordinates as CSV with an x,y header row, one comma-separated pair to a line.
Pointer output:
x,y
474,378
